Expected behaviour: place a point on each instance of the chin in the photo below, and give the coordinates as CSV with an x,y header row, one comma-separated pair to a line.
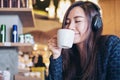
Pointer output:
x,y
76,42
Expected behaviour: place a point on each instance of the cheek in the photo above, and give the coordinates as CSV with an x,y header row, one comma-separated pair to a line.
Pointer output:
x,y
80,36
77,38
82,28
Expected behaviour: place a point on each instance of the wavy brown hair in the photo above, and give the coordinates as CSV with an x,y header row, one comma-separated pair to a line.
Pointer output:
x,y
81,64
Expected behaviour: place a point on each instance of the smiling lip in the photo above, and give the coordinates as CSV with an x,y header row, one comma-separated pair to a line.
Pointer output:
x,y
76,33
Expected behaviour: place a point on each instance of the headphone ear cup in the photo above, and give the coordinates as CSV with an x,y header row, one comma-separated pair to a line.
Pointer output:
x,y
96,23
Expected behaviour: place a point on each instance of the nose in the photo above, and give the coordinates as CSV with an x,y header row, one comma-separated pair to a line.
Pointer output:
x,y
71,26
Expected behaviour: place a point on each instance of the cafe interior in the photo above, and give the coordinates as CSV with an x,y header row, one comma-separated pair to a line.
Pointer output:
x,y
39,21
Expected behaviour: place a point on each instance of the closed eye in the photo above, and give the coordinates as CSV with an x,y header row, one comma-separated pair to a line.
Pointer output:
x,y
77,21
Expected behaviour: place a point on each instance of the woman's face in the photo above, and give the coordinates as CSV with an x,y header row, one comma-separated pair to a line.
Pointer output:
x,y
77,21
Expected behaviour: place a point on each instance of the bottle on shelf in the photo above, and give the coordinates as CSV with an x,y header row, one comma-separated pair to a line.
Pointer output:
x,y
14,34
3,33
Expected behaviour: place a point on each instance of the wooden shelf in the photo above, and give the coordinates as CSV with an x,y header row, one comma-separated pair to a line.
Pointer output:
x,y
9,44
25,14
25,47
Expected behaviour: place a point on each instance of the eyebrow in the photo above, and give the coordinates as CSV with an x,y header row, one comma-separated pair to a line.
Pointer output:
x,y
78,17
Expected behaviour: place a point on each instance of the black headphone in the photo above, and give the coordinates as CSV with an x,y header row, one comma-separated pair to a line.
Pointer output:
x,y
96,21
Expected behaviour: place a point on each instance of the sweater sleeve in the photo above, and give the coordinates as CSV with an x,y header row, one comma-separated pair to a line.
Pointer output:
x,y
55,69
113,69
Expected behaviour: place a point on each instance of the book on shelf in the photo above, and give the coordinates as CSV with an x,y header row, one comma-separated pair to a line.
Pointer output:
x,y
15,3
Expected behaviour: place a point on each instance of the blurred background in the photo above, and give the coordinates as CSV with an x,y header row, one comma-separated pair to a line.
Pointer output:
x,y
47,18
48,15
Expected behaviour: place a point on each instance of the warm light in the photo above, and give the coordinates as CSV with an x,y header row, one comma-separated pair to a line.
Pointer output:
x,y
45,48
35,47
30,4
62,7
47,9
51,10
41,0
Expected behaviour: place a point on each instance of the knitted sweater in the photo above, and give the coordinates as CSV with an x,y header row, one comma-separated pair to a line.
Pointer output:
x,y
108,62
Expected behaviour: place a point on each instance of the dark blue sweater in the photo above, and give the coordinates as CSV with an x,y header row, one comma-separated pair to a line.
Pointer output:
x,y
108,62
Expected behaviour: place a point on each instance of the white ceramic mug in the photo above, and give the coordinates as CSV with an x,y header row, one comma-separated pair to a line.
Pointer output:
x,y
65,38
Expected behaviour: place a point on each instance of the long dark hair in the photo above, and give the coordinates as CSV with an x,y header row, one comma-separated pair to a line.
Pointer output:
x,y
81,64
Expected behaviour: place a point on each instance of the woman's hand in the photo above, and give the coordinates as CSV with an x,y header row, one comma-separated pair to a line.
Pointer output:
x,y
52,45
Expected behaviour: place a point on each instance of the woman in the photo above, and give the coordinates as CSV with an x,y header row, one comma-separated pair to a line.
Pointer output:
x,y
93,56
